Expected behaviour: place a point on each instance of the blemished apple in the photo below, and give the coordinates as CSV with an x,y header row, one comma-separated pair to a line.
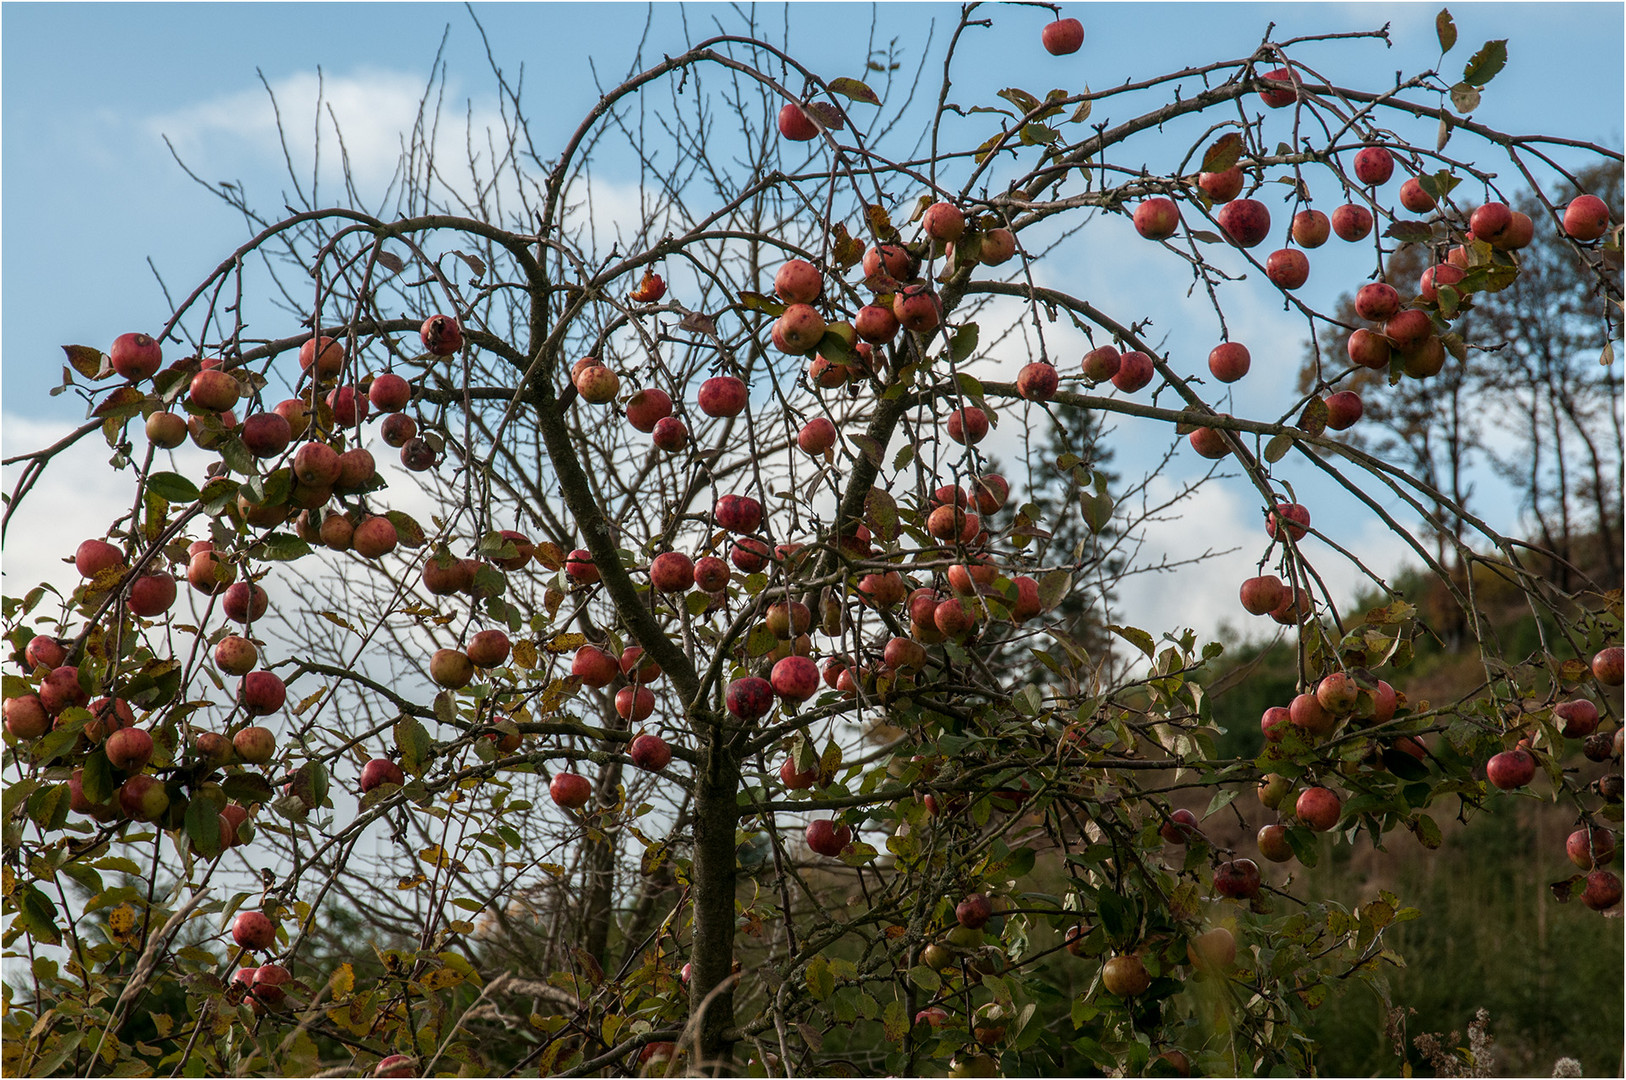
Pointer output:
x,y
1351,222
1369,350
1344,409
1101,364
1126,976
349,406
1590,847
1037,381
1579,717
826,838
375,537
798,282
1157,219
722,396
917,308
750,698
1135,371
1490,221
1374,165
967,425
795,678
269,980
1609,665
1414,198
1290,518
389,392
451,669
799,329
737,513
1435,276
400,1065
214,390
418,454
974,911
1338,693
998,246
943,222
253,930
94,556
262,693
1062,37
1245,221
60,689
1408,329
1602,890
650,753
25,717
1377,301
816,437
151,595
254,745
143,798
795,779
1308,714
597,385
135,356
1311,228
1288,268
129,749
671,572
648,407
634,703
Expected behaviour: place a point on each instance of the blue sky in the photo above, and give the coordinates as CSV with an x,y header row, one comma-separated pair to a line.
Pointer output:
x,y
89,192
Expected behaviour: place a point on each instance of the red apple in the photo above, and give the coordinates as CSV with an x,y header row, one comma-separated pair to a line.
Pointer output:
x,y
135,356
1237,879
650,753
1288,268
1245,221
60,690
795,124
1602,890
1274,723
795,678
570,790
634,703
1181,828
1510,769
1586,218
331,361
974,911
825,838
1135,371
1229,361
1037,381
1579,716
1319,808
722,396
749,698
1101,364
151,595
648,407
1343,409
1261,595
1062,37
968,425
380,771
1351,222
1157,219
1293,518
1414,198
1609,665
671,571
594,667
214,390
943,222
1369,350
1222,187
1280,96
817,436
1310,228
94,556
1273,844
738,513
1374,165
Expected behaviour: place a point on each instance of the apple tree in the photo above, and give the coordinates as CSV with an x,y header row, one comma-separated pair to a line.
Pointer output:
x,y
554,629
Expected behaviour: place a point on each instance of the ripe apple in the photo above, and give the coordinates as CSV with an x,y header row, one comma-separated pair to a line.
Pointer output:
x,y
349,406
1273,789
597,384
722,396
917,308
943,222
1585,218
634,703
254,745
331,361
967,425
151,595
795,678
875,324
1309,715
1352,222
974,911
135,356
1490,221
1408,329
1602,890
998,245
266,434
418,454
991,491
488,649
570,790
1295,608
1209,443
671,571
451,668
1292,518
269,980
796,124
1157,219
1279,96
1261,595
1212,950
1125,976
399,1065
380,771
43,651
253,930
1101,364
794,779
799,329
25,717
1580,718
1609,665
1510,769
889,260
143,798
1229,361
94,556
1369,350
1288,268
1338,693
214,390
738,513
1273,843
670,435
60,689
1435,276
749,555
165,430
389,392
110,715
316,464
1319,808
1062,37
1181,828
650,752
750,698
1415,199
1590,847
298,414
375,537
1135,371
595,667
1520,231
1374,165
826,838
648,407
1037,381
817,436
1310,228
1237,879
262,693
129,749
1377,301
1222,187
1245,221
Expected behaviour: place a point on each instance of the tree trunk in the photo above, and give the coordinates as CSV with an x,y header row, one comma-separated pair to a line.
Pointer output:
x,y
711,987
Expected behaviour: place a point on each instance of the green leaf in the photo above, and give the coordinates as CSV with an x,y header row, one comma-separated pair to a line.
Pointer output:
x,y
869,447
1410,232
1404,765
821,983
755,301
247,788
203,826
929,981
894,1021
853,90
414,744
1225,152
172,486
285,547
1426,830
964,342
1020,98
1136,637
1096,509
1303,843
1277,448
1222,798
1489,60
407,530
1117,916
882,513
1445,30
906,454
1053,588
236,455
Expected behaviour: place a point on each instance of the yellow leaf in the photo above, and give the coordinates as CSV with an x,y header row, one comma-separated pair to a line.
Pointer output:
x,y
343,982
